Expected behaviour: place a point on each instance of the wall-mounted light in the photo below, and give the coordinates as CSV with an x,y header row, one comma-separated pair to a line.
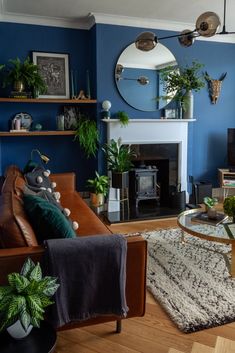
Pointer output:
x,y
207,25
142,80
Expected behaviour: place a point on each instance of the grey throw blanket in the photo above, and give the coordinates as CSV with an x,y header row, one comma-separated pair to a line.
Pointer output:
x,y
91,271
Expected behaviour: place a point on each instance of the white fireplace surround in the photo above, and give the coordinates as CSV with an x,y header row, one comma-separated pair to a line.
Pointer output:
x,y
155,131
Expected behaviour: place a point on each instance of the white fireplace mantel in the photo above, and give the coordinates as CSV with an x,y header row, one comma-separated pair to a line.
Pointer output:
x,y
154,131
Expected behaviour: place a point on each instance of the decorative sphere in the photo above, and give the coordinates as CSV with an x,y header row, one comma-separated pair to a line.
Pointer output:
x,y
106,105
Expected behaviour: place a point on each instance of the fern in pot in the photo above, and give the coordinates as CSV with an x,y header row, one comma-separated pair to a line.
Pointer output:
x,y
23,302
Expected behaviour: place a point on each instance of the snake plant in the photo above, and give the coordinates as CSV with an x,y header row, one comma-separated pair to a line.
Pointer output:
x,y
26,297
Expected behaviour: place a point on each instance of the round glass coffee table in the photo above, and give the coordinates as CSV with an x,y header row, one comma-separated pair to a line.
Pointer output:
x,y
193,223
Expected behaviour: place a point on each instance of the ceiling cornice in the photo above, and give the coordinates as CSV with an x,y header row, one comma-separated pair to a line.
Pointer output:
x,y
100,18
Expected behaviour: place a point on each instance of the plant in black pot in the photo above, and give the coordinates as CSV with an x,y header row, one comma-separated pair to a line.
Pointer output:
x,y
119,158
22,303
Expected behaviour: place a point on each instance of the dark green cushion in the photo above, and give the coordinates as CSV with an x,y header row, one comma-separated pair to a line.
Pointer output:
x,y
47,220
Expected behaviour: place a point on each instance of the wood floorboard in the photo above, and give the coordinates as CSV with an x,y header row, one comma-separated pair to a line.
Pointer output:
x,y
153,333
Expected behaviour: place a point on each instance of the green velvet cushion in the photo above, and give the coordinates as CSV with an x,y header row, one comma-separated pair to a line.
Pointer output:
x,y
47,220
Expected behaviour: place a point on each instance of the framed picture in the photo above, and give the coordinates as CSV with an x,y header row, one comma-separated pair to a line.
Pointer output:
x,y
71,116
54,69
170,113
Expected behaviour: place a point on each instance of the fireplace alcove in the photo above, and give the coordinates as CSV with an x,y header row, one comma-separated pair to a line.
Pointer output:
x,y
160,146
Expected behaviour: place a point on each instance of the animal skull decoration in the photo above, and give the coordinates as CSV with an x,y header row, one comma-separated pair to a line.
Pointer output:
x,y
214,86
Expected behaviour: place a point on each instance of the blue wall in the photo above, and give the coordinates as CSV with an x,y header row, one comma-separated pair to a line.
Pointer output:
x,y
98,50
19,40
208,135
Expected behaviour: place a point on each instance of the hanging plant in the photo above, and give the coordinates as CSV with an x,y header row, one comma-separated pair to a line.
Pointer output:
x,y
87,135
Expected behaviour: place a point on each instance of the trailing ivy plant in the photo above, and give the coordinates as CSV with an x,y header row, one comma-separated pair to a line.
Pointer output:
x,y
88,135
26,297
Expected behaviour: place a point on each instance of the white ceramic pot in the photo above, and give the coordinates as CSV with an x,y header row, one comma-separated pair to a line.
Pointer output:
x,y
17,331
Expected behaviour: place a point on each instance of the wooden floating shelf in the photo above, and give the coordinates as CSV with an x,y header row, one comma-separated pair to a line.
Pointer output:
x,y
37,133
45,100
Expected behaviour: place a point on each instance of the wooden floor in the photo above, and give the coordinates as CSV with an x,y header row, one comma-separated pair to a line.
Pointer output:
x,y
153,333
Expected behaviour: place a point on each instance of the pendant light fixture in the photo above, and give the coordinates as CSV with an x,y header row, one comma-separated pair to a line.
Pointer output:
x,y
207,25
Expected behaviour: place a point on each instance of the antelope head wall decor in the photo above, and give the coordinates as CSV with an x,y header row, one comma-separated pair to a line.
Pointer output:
x,y
214,86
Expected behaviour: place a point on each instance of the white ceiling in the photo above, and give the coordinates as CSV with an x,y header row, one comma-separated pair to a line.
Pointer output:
x,y
176,14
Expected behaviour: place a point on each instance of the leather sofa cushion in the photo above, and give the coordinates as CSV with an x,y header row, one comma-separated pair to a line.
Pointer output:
x,y
15,228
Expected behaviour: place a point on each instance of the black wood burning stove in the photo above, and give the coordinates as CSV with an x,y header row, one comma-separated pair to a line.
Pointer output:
x,y
143,184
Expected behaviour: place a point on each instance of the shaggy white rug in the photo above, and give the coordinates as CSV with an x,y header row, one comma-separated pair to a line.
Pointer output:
x,y
191,281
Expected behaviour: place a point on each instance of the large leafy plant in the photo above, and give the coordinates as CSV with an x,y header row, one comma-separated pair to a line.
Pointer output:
x,y
229,206
119,156
177,82
26,297
99,184
26,72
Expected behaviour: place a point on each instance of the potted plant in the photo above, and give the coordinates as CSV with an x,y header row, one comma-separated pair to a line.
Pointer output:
x,y
123,118
229,207
209,203
119,159
22,303
24,75
178,83
88,135
99,185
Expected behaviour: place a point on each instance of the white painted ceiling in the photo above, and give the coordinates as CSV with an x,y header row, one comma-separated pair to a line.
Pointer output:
x,y
173,12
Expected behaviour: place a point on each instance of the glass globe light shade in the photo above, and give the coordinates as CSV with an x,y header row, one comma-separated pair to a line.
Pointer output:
x,y
106,105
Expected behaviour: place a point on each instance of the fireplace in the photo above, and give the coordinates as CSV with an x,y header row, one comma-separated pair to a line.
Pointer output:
x,y
160,144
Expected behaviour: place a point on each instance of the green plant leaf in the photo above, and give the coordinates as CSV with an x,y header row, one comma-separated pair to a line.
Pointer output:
x,y
36,273
5,291
15,306
25,319
51,289
27,267
35,322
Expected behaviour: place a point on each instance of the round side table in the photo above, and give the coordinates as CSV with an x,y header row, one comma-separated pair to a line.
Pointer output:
x,y
40,340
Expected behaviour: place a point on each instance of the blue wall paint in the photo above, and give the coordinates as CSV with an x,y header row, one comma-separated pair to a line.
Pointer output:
x,y
208,136
19,40
98,50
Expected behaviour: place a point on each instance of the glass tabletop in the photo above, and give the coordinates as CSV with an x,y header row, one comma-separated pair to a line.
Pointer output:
x,y
195,222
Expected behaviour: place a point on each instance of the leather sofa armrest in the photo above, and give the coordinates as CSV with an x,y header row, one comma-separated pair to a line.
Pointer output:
x,y
65,181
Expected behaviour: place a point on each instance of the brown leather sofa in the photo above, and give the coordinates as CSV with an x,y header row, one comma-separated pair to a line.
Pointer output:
x,y
18,240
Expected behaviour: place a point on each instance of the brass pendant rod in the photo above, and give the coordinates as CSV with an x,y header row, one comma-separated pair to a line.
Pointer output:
x,y
194,32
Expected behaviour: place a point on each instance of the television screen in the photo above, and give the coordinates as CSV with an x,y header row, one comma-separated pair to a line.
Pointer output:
x,y
231,148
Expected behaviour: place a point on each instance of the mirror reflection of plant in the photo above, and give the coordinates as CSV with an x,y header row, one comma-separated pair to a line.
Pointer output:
x,y
178,81
87,135
26,72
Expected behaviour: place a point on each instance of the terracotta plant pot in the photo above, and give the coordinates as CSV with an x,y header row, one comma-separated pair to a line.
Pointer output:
x,y
97,199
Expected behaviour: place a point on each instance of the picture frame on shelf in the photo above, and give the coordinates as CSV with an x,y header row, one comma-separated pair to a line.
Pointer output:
x,y
71,116
54,69
171,113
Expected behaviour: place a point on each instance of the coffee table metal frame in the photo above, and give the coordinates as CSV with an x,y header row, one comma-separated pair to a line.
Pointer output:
x,y
186,225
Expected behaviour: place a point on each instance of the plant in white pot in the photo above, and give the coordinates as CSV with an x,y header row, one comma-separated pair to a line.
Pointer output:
x,y
99,185
119,158
22,303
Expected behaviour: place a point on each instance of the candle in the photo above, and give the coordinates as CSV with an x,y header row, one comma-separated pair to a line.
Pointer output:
x,y
72,84
88,85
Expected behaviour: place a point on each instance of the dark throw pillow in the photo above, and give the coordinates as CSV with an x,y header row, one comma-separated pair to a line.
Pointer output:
x,y
47,220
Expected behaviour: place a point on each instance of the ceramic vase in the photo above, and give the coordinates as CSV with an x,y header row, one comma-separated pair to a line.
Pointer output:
x,y
188,112
17,331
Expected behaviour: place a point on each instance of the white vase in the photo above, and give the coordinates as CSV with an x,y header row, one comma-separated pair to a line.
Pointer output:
x,y
17,331
188,113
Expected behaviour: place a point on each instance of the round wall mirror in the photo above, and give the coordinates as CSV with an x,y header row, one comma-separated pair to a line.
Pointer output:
x,y
137,76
